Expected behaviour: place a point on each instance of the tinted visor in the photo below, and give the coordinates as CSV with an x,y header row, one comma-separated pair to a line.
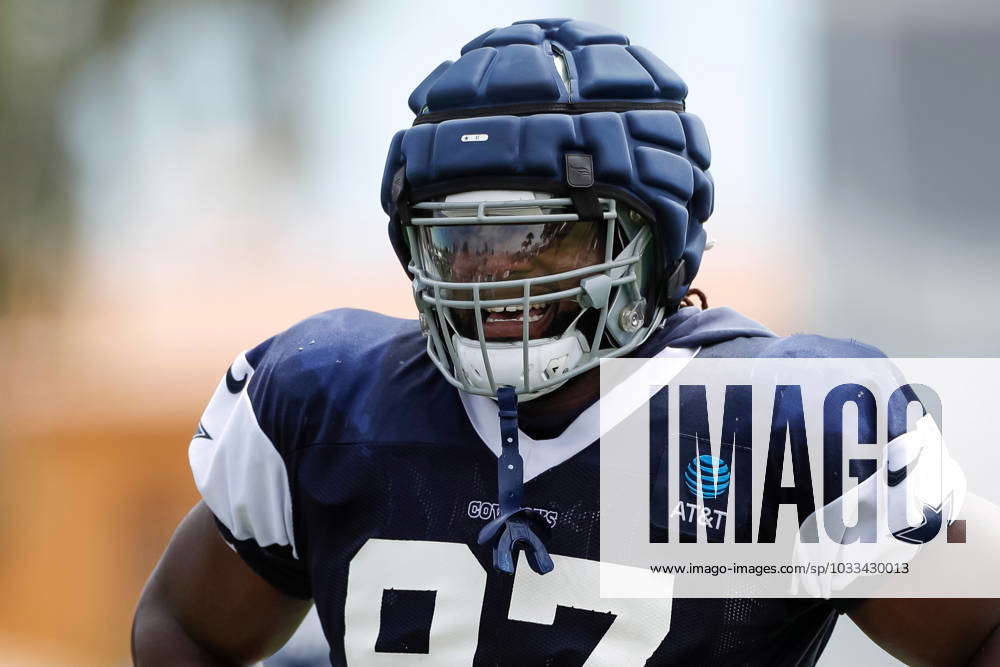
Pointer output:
x,y
490,253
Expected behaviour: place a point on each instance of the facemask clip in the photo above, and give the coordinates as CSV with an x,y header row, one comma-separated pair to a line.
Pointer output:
x,y
596,291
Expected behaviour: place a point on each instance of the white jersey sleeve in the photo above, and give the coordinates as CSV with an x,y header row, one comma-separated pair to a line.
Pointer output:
x,y
243,480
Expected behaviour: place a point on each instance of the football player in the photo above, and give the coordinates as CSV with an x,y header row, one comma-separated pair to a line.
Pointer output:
x,y
548,206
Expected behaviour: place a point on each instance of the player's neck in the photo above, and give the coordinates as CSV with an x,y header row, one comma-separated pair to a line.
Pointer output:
x,y
547,416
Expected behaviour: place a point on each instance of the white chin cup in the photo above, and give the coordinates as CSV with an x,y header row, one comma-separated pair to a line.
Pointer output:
x,y
548,358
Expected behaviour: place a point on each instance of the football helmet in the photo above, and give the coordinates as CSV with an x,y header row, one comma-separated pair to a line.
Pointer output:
x,y
547,203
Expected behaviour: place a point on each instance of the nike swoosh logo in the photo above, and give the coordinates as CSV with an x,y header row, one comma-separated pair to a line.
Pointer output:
x,y
201,432
896,477
232,384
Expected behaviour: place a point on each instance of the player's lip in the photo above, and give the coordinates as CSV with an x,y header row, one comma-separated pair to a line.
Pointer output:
x,y
507,323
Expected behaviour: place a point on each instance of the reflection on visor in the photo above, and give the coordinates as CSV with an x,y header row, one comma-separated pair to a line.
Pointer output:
x,y
487,253
490,253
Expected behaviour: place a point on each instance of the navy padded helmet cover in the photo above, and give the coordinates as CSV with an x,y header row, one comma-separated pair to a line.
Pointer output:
x,y
657,156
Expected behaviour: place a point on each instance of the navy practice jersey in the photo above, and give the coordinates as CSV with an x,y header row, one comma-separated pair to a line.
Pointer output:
x,y
343,468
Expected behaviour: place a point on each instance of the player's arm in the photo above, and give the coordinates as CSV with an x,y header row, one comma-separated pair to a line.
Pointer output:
x,y
942,631
204,606
934,631
230,588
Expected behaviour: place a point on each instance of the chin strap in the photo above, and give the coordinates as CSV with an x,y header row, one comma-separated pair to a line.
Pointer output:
x,y
515,527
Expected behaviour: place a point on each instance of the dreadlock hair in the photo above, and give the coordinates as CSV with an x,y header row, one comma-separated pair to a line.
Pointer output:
x,y
695,292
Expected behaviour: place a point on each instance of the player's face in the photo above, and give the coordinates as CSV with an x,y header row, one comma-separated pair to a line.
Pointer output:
x,y
489,253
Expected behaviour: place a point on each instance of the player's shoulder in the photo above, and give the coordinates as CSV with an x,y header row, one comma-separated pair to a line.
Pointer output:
x,y
324,373
816,346
795,346
339,337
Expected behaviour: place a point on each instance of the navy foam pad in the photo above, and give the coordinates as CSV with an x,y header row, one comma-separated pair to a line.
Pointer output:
x,y
515,64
